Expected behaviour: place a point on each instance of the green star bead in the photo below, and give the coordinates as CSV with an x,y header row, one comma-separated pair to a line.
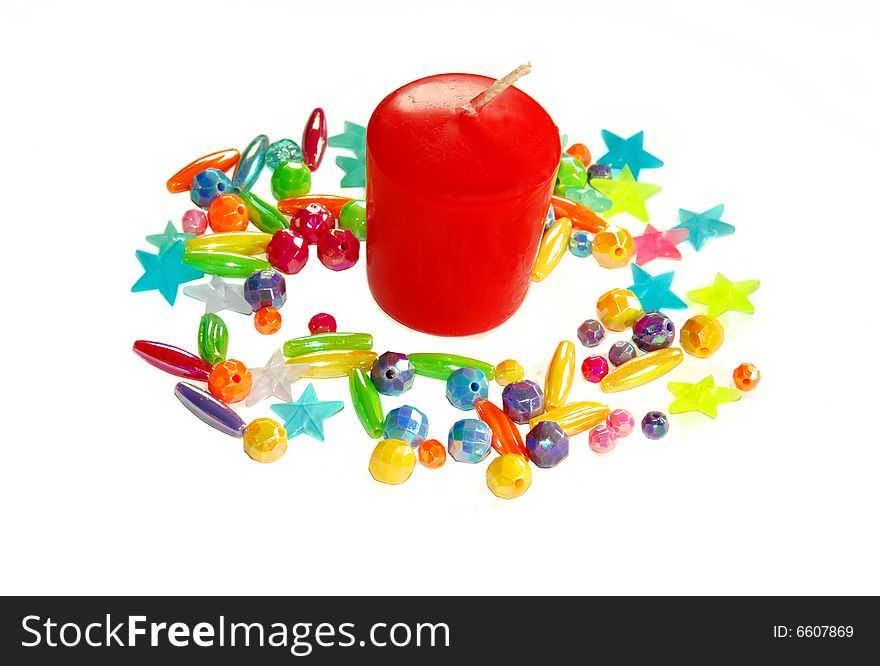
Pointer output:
x,y
723,295
626,194
307,414
703,397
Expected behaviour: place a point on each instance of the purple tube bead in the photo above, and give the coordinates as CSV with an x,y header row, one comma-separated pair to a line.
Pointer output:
x,y
215,413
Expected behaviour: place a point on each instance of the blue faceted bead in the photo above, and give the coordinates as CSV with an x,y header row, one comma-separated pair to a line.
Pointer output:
x,y
393,373
549,219
653,331
655,425
621,352
282,152
406,423
523,400
470,440
547,444
598,170
465,386
264,288
208,185
581,243
591,333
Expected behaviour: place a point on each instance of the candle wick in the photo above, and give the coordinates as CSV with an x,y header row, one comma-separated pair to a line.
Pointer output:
x,y
490,93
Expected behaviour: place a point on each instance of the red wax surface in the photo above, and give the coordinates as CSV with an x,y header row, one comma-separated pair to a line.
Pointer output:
x,y
456,203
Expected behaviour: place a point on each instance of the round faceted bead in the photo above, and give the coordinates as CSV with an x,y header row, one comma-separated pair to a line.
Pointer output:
x,y
312,220
701,336
547,444
194,222
613,247
549,218
470,441
621,352
655,425
465,386
392,461
267,320
591,333
603,439
281,152
621,422
522,400
393,373
432,454
572,174
338,249
265,440
746,376
322,323
618,309
291,179
407,424
509,371
598,170
353,216
264,288
580,243
580,152
230,381
228,213
509,476
594,368
288,251
208,185
653,331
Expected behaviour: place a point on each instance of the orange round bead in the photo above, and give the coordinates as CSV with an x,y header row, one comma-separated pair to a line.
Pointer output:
x,y
746,376
613,247
230,381
267,320
228,213
432,454
580,152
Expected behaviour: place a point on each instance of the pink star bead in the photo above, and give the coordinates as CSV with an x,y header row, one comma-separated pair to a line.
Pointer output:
x,y
655,244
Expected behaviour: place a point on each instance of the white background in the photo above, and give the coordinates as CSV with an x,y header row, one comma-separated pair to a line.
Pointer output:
x,y
108,485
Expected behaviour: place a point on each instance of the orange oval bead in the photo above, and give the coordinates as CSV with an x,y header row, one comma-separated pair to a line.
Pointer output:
x,y
267,320
332,202
581,216
432,454
746,376
580,152
230,381
222,160
505,435
228,212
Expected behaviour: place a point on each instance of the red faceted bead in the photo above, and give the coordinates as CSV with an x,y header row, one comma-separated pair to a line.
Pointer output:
x,y
288,251
594,368
322,323
338,249
312,220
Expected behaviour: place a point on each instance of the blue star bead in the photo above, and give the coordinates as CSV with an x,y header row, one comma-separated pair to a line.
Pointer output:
x,y
165,271
307,414
653,291
628,151
168,238
703,226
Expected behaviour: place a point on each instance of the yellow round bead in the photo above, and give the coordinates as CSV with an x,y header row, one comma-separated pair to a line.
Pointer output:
x,y
265,440
701,336
508,372
509,476
618,309
613,247
393,461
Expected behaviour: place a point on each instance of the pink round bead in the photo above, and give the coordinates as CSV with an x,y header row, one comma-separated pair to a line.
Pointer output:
x,y
603,439
312,221
621,422
287,251
338,249
322,323
194,222
594,368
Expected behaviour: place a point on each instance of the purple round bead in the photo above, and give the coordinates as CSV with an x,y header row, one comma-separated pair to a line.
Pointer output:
x,y
655,425
523,400
621,352
598,170
653,331
393,373
465,386
265,288
591,333
208,185
470,441
547,444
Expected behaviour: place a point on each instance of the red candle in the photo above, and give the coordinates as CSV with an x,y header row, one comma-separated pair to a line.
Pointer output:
x,y
456,202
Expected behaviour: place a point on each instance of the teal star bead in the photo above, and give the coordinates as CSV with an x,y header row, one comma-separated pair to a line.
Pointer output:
x,y
355,169
353,138
307,414
589,197
654,291
168,238
702,396
703,226
165,272
623,152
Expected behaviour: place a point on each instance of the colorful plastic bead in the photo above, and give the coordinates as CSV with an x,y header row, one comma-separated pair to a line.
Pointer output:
x,y
603,439
314,139
655,291
219,295
366,402
247,243
228,213
580,243
723,295
432,454
353,216
206,407
701,227
746,376
173,360
628,152
230,381
168,238
326,365
222,160
627,195
580,152
224,264
312,221
575,417
621,352
613,247
292,179
265,440
392,461
322,342
213,338
322,323
701,336
263,215
653,331
505,434
508,371
655,425
338,249
655,244
208,185
332,202
549,218
589,198
440,366
194,222
560,375
702,396
470,441
281,152
572,174
306,415
249,167
552,248
618,309
393,373
288,251
274,379
407,424
591,333
466,385
642,370
621,422
523,400
267,320
166,271
265,288
547,444
594,368
581,217
598,170
509,476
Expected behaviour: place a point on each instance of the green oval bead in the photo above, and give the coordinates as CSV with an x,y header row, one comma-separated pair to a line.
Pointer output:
x,y
213,338
440,366
366,401
291,180
225,264
264,216
353,217
327,342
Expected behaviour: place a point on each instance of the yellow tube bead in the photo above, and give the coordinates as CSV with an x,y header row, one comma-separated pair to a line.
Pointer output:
x,y
560,375
642,369
554,243
326,365
238,242
575,417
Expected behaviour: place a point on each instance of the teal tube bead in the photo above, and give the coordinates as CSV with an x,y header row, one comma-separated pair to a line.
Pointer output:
x,y
327,342
263,215
213,338
440,366
225,264
366,401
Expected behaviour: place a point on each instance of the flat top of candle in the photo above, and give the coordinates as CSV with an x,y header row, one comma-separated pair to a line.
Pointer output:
x,y
421,138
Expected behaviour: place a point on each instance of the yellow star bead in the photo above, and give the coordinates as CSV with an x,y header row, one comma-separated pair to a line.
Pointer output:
x,y
265,440
393,461
508,372
618,309
723,295
703,397
509,476
627,194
